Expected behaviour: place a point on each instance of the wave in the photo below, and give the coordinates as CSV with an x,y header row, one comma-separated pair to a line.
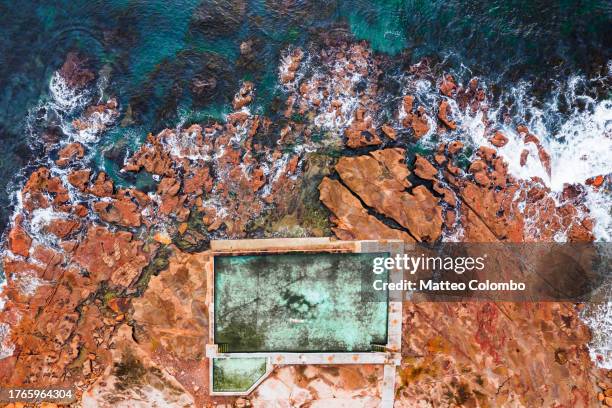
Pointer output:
x,y
578,139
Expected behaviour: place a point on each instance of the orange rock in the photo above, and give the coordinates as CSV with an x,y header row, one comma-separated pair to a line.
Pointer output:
x,y
450,217
498,139
424,169
524,155
522,129
292,164
70,152
81,211
168,186
448,85
416,121
478,166
408,102
19,241
529,138
258,178
199,181
419,123
440,159
596,181
244,96
443,111
454,147
79,179
351,220
119,211
102,187
367,177
152,157
163,238
486,153
117,305
544,159
389,131
360,133
447,195
61,228
111,255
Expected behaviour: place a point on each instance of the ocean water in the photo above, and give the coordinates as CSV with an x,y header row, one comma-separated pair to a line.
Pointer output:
x,y
150,51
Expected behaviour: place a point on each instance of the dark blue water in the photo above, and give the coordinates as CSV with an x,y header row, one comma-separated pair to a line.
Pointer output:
x,y
153,51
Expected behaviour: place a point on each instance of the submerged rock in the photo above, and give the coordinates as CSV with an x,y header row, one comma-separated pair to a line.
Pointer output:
x,y
76,71
215,18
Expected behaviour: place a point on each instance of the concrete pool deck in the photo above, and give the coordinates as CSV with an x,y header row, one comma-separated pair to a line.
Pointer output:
x,y
387,354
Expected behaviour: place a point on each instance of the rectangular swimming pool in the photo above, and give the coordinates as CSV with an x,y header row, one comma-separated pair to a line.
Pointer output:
x,y
297,302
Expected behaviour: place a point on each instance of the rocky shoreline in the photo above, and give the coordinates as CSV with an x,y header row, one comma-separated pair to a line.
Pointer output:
x,y
103,280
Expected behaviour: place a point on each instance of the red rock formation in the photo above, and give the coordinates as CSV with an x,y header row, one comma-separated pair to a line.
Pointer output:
x,y
102,186
70,327
416,121
389,131
455,147
380,183
152,157
498,139
75,71
361,133
424,169
96,119
69,153
244,96
448,85
62,228
19,241
79,178
111,256
520,360
119,211
596,181
290,65
352,221
542,153
443,112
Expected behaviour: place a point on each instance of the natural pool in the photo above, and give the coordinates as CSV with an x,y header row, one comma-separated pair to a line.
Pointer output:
x,y
302,302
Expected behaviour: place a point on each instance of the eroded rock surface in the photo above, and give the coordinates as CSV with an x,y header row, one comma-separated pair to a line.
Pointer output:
x,y
321,387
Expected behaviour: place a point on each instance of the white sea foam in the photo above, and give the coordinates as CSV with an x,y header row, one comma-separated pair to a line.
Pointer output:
x,y
41,219
64,98
6,347
598,316
94,125
579,142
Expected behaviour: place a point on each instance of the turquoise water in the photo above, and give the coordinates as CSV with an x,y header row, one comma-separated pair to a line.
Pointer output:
x,y
152,51
298,302
237,374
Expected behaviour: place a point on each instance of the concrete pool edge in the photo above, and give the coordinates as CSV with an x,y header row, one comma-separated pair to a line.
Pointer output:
x,y
390,358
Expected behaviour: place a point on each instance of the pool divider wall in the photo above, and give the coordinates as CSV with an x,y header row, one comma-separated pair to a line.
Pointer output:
x,y
389,358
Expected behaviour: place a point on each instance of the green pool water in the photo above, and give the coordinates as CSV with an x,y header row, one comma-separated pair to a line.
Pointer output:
x,y
237,374
297,302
